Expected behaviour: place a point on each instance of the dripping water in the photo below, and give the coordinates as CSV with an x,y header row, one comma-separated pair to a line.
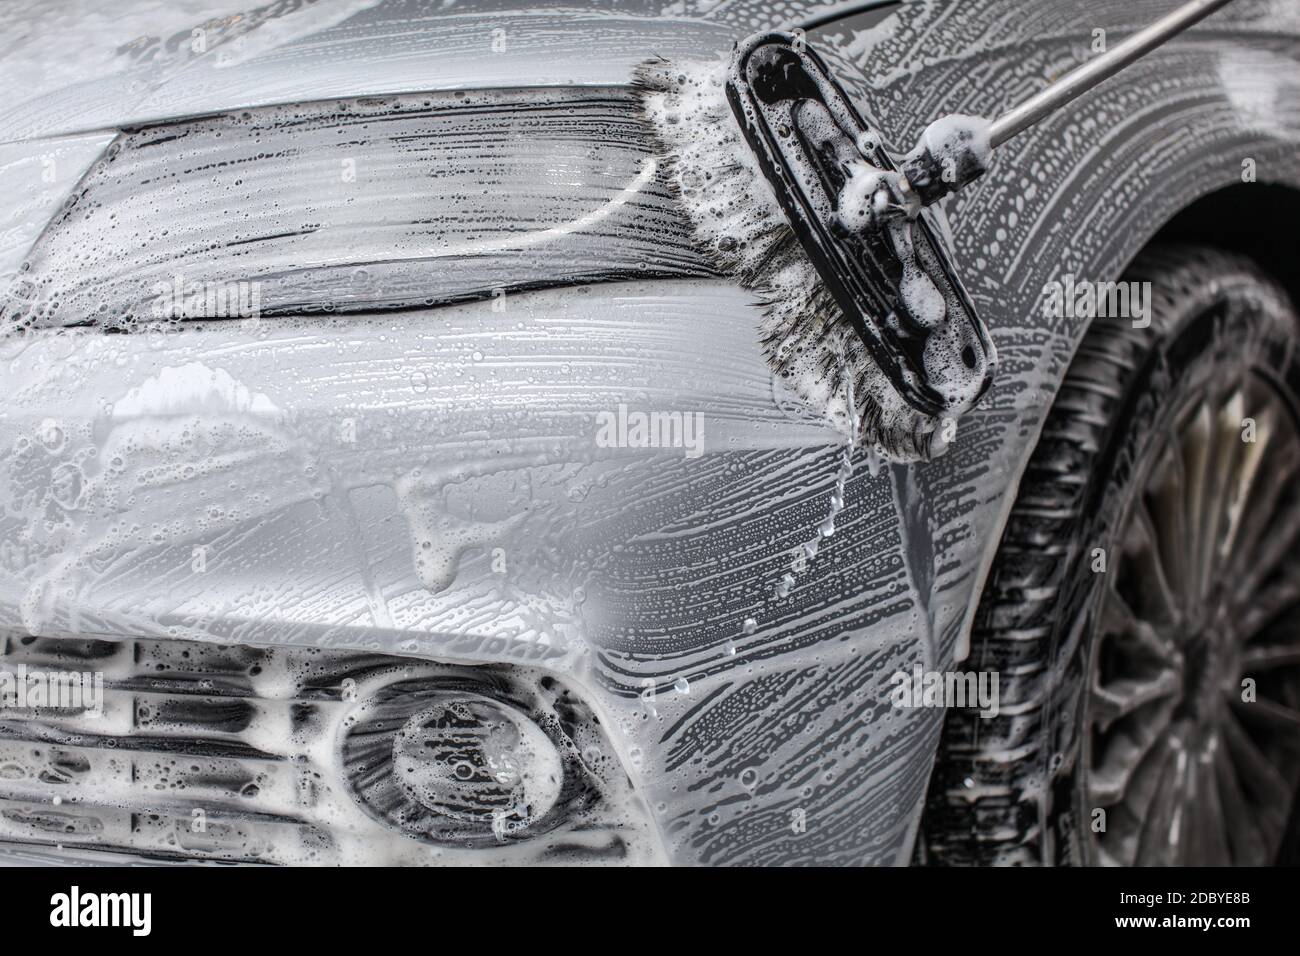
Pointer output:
x,y
807,551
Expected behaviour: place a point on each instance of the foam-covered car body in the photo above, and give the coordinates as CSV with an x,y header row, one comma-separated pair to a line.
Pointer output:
x,y
339,342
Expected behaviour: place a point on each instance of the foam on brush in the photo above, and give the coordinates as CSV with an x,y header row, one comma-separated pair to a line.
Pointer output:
x,y
738,220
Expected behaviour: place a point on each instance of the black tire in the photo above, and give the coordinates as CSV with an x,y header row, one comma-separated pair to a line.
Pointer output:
x,y
1024,787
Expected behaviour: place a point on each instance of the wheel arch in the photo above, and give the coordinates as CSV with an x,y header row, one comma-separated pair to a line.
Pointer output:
x,y
1028,584
1255,219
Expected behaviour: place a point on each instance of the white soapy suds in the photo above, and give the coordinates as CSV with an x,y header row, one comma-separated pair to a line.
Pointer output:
x,y
516,749
191,427
1049,211
116,40
440,538
529,752
922,297
866,198
192,389
738,220
953,136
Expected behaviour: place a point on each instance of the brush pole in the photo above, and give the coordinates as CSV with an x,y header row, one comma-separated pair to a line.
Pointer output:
x,y
1096,70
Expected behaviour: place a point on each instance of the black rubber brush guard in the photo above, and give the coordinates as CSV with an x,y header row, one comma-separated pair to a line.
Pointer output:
x,y
782,95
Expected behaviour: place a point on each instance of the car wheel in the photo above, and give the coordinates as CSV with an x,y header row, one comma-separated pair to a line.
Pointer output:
x,y
1143,609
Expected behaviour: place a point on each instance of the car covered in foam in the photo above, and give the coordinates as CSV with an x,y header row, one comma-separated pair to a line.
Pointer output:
x,y
376,432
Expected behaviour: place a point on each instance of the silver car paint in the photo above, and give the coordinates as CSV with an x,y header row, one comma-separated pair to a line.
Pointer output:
x,y
629,573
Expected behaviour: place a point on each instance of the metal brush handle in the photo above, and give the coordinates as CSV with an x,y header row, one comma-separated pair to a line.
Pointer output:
x,y
936,168
1094,71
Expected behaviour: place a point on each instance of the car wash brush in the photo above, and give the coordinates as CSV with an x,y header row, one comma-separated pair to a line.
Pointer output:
x,y
791,192
784,184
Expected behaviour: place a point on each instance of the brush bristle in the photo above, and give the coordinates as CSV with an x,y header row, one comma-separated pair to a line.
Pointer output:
x,y
737,219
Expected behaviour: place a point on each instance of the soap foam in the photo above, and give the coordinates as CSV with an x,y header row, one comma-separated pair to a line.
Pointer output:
x,y
738,220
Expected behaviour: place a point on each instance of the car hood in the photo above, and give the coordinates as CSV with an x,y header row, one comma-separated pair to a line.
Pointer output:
x,y
140,62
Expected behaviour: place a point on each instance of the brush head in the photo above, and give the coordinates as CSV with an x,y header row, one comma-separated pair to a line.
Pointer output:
x,y
739,218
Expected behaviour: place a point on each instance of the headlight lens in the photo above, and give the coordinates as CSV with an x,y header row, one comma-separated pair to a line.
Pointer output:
x,y
399,202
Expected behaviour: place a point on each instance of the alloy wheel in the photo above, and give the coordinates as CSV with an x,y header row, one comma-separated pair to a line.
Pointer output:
x,y
1192,707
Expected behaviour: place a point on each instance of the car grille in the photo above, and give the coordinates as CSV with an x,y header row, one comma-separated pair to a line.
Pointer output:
x,y
199,751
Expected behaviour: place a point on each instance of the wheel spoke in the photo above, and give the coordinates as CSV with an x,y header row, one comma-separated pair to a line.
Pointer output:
x,y
1256,519
1258,609
1275,551
1121,697
1225,448
1246,841
1268,715
1263,783
1159,843
1127,756
1214,820
1168,508
1261,658
1152,568
1240,490
1194,441
1120,620
1211,824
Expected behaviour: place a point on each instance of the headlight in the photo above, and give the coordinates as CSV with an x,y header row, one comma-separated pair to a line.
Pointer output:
x,y
398,202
